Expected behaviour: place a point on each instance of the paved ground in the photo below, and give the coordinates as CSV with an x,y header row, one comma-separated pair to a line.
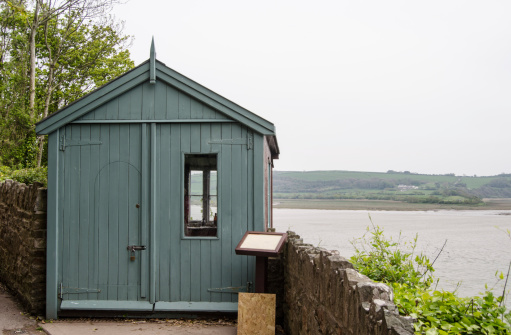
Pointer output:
x,y
13,321
135,327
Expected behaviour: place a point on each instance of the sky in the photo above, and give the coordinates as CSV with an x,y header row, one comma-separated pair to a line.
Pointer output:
x,y
419,86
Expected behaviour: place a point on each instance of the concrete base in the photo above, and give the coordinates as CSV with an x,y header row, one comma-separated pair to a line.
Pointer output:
x,y
133,328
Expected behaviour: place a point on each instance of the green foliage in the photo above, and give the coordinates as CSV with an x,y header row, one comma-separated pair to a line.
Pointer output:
x,y
389,261
436,312
441,312
75,54
27,176
403,187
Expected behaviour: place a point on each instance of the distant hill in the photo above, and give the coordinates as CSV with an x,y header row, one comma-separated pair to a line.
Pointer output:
x,y
392,185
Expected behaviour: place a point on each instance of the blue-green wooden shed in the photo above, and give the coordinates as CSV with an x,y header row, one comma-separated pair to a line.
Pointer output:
x,y
152,181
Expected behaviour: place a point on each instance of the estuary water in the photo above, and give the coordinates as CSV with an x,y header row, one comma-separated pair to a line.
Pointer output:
x,y
476,247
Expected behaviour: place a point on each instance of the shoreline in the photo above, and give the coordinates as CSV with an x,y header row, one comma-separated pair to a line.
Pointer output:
x,y
386,205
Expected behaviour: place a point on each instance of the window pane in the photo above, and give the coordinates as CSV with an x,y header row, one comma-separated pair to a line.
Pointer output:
x,y
196,208
196,181
212,183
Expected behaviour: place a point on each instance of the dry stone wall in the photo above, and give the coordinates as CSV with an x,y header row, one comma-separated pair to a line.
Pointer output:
x,y
23,242
323,294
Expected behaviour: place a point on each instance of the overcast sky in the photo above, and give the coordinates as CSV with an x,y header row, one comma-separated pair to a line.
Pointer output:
x,y
350,85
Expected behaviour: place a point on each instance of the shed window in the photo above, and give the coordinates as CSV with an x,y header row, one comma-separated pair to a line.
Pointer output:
x,y
201,195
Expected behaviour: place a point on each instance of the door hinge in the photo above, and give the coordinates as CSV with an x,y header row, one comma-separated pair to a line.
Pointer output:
x,y
249,141
63,143
236,289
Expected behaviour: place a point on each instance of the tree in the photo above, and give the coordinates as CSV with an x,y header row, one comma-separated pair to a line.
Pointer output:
x,y
72,49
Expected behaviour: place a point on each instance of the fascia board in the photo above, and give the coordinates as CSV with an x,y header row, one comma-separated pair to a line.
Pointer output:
x,y
93,100
214,100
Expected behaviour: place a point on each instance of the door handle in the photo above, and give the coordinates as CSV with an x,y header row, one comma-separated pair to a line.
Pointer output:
x,y
136,247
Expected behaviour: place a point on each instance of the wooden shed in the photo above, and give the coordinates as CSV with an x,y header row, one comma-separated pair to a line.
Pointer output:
x,y
152,181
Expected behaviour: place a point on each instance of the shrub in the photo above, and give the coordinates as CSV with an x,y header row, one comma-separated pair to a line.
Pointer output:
x,y
27,176
410,276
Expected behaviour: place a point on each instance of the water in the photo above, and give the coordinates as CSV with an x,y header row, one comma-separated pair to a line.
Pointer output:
x,y
475,247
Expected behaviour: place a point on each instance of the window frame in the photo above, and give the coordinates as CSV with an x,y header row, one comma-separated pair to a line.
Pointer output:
x,y
218,195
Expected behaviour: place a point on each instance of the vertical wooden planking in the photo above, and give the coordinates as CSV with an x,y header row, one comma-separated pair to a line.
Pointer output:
x,y
195,245
236,208
152,239
226,224
172,103
176,212
112,109
135,111
195,138
184,106
123,232
195,270
160,104
102,190
148,101
134,212
244,204
113,213
185,244
205,137
62,187
205,245
73,221
258,182
208,113
216,245
195,109
52,247
84,205
65,189
250,211
146,206
124,106
205,271
164,202
99,113
92,248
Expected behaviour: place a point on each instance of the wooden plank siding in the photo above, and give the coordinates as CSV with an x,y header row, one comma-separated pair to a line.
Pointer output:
x,y
116,179
153,102
103,219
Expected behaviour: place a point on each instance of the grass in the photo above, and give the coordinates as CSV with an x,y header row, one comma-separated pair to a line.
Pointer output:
x,y
471,182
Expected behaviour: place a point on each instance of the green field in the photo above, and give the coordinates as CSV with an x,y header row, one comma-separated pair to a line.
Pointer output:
x,y
390,186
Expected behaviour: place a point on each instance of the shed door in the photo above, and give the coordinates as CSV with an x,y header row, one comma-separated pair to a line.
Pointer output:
x,y
102,217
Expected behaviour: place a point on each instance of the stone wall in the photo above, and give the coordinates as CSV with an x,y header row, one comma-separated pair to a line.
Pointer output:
x,y
323,294
23,242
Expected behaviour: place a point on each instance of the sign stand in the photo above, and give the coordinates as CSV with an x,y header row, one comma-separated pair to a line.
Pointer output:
x,y
262,245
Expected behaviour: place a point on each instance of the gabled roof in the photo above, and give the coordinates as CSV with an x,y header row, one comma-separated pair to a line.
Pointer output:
x,y
153,70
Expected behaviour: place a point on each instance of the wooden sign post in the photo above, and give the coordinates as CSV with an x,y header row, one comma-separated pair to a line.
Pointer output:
x,y
256,311
262,245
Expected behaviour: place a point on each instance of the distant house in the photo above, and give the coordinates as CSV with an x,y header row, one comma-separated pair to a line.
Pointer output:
x,y
152,181
403,188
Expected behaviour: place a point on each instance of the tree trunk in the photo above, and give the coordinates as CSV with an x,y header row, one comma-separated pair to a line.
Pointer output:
x,y
33,32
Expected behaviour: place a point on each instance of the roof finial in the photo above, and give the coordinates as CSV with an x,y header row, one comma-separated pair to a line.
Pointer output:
x,y
152,64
